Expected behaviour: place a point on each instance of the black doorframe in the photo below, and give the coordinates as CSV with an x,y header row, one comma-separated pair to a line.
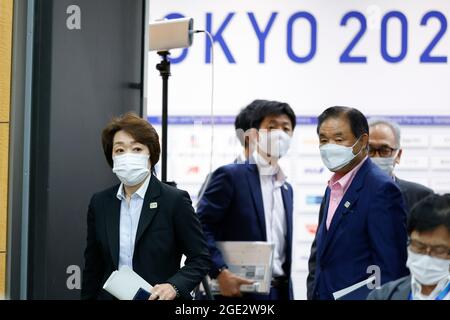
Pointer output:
x,y
81,79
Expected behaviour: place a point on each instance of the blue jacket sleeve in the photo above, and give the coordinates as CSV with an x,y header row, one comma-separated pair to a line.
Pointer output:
x,y
387,232
212,209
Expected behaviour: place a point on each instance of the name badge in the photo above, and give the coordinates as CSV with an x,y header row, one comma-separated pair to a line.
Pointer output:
x,y
153,205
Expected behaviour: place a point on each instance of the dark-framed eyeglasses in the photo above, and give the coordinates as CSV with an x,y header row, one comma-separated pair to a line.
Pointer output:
x,y
384,151
439,251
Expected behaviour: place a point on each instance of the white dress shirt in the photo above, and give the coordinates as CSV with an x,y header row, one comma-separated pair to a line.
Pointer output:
x,y
130,212
416,289
272,180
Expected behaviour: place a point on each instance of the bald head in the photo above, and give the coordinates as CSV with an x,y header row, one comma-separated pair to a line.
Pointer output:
x,y
384,142
383,129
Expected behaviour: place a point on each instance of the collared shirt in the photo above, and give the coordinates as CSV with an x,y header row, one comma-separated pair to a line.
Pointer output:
x,y
416,289
130,212
241,158
338,188
272,180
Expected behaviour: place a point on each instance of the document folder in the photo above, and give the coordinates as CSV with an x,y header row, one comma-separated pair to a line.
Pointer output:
x,y
124,284
250,260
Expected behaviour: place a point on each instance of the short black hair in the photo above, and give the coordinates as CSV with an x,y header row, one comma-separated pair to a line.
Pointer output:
x,y
244,118
358,122
430,213
264,108
243,122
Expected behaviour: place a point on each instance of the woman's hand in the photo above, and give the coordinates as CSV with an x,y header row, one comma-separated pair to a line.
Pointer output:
x,y
163,291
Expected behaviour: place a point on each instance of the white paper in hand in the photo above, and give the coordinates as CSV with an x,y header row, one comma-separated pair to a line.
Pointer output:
x,y
125,283
339,294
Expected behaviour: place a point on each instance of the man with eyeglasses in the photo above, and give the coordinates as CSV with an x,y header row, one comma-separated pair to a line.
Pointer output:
x,y
428,255
385,151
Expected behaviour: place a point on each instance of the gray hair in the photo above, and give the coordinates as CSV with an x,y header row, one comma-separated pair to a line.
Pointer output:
x,y
391,124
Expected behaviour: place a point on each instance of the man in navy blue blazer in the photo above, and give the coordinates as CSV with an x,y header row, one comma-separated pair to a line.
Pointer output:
x,y
251,201
362,220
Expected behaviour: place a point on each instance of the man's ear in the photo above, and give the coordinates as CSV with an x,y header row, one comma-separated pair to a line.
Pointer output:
x,y
399,156
253,134
257,132
365,140
251,138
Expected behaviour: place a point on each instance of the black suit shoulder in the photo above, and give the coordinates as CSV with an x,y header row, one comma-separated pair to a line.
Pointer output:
x,y
176,199
105,193
416,187
413,192
171,191
100,201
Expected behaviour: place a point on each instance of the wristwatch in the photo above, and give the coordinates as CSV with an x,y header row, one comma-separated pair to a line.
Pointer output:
x,y
176,290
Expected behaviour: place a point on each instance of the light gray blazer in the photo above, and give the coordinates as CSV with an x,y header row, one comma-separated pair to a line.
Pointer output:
x,y
394,290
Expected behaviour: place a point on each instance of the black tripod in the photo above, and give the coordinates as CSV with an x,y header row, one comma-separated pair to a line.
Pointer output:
x,y
164,70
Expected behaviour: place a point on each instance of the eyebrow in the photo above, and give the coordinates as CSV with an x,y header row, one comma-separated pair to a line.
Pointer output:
x,y
123,143
430,245
283,122
379,145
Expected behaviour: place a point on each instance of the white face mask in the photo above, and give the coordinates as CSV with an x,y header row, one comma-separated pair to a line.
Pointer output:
x,y
335,156
385,164
131,168
274,142
427,270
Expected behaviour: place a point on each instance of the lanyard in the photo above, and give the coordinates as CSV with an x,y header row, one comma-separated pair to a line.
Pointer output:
x,y
439,297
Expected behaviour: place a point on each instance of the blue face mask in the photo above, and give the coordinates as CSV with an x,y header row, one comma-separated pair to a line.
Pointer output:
x,y
335,156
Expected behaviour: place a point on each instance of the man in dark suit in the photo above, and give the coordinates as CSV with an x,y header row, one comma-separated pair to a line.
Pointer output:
x,y
142,223
428,255
251,201
362,219
385,151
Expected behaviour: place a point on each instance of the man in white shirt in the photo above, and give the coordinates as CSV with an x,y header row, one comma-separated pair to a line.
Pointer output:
x,y
251,201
